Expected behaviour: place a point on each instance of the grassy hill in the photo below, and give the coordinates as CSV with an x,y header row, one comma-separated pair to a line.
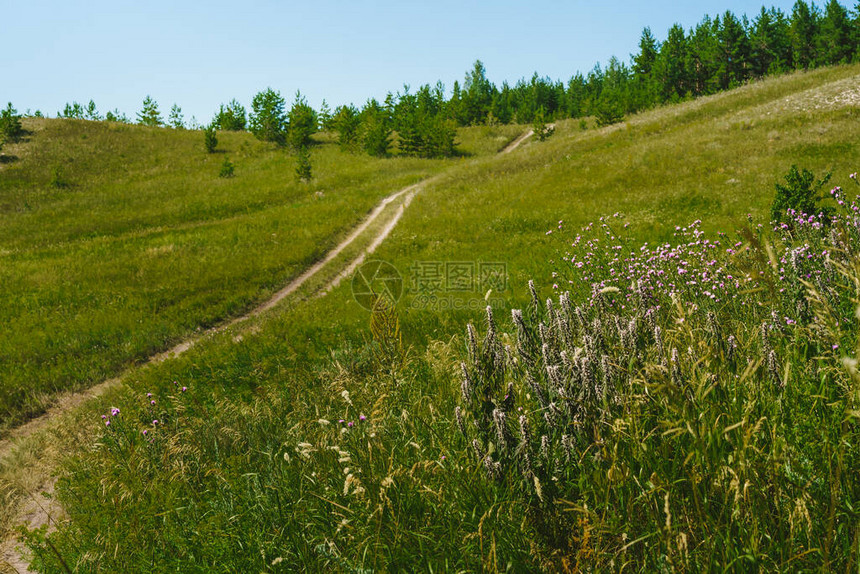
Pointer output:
x,y
117,241
327,440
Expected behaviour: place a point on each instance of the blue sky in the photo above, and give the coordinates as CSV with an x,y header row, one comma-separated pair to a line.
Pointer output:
x,y
199,54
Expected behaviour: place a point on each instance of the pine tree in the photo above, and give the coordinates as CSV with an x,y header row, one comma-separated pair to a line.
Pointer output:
x,y
230,117
835,44
804,29
377,136
645,88
117,116
770,47
670,68
325,117
149,114
855,32
540,128
227,169
702,56
303,165
346,122
175,119
302,123
576,96
73,111
210,139
733,53
268,120
477,95
92,114
501,108
10,124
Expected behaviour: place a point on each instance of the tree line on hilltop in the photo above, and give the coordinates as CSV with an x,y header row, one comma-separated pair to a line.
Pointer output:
x,y
716,54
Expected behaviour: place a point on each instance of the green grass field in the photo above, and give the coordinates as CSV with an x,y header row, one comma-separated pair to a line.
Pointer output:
x,y
328,441
118,241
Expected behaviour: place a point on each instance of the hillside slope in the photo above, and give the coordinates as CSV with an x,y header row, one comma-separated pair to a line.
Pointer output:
x,y
327,439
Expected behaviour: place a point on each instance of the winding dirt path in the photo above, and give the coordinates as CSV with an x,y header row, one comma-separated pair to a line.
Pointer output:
x,y
41,510
517,142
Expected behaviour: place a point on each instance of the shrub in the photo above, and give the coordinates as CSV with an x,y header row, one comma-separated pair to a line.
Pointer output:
x,y
210,139
303,165
58,179
10,124
800,194
541,129
226,169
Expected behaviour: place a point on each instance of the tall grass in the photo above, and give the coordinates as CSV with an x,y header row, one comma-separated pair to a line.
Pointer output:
x,y
684,406
681,438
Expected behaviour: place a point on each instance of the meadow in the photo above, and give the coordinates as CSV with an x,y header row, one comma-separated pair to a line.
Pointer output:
x,y
685,401
119,241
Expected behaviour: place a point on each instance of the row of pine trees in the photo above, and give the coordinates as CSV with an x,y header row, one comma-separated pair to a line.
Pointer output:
x,y
717,54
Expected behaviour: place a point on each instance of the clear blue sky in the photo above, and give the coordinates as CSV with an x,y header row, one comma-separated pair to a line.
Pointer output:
x,y
199,54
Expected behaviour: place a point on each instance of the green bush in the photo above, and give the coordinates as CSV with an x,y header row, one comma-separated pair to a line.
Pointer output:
x,y
10,124
210,139
226,169
801,195
303,165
